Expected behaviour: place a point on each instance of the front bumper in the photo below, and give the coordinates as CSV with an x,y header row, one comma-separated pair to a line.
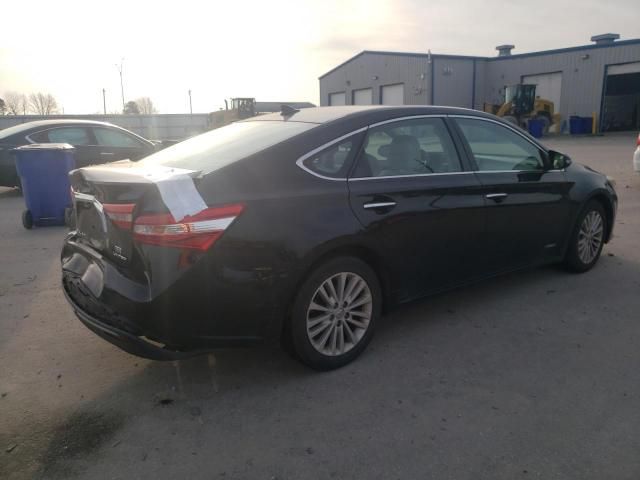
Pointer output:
x,y
117,334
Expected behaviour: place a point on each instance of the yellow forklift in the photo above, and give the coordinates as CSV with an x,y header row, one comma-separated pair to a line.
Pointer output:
x,y
521,105
241,108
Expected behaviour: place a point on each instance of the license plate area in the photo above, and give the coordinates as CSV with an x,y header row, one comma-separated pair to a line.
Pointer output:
x,y
94,228
91,224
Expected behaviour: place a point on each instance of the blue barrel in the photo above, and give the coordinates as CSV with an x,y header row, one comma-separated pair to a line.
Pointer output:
x,y
587,124
575,125
44,175
536,127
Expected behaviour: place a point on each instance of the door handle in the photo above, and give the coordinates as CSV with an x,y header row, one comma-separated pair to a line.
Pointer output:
x,y
375,205
497,197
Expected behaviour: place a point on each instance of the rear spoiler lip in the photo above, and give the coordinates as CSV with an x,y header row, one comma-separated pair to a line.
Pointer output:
x,y
126,171
176,186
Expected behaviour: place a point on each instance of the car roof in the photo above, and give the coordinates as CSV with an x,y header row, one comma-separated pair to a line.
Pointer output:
x,y
60,121
322,115
24,127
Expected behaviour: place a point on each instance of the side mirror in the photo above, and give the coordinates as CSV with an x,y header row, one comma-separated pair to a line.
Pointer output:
x,y
557,160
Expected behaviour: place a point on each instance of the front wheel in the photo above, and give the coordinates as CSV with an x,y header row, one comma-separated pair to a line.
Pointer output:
x,y
587,239
335,312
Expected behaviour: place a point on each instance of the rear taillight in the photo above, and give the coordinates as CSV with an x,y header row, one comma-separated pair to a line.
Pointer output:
x,y
120,213
638,141
198,232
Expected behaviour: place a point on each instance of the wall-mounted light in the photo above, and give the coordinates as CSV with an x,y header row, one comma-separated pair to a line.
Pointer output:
x,y
422,76
586,56
447,71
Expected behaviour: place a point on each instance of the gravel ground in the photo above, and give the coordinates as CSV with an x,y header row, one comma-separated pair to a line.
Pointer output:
x,y
532,375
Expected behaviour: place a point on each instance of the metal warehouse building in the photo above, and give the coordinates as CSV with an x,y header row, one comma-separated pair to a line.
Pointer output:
x,y
603,77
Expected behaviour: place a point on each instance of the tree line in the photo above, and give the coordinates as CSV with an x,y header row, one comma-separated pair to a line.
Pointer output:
x,y
140,106
39,103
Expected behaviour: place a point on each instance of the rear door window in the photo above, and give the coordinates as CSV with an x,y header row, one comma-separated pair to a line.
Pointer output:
x,y
107,137
420,146
70,135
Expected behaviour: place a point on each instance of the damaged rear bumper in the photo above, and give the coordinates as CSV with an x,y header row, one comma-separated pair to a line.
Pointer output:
x,y
129,342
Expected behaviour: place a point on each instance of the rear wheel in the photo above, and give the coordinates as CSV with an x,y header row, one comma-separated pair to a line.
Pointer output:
x,y
27,219
587,239
335,312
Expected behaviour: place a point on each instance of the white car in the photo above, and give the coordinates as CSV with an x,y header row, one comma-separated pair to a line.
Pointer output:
x,y
636,157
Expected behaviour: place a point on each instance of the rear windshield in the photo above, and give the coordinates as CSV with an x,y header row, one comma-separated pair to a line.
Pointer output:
x,y
9,131
223,146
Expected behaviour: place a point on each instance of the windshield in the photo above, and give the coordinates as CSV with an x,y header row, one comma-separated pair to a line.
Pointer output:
x,y
223,146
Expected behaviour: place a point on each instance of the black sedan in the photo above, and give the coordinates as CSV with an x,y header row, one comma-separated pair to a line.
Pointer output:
x,y
303,226
94,142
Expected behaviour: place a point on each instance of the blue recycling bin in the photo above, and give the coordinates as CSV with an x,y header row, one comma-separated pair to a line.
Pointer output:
x,y
44,175
536,127
575,125
587,124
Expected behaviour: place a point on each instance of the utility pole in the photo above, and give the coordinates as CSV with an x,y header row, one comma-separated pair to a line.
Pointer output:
x,y
119,67
190,104
104,101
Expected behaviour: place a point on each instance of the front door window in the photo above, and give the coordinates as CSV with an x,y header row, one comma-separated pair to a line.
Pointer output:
x,y
497,148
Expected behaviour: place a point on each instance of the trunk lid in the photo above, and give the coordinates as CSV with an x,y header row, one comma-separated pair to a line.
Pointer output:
x,y
108,197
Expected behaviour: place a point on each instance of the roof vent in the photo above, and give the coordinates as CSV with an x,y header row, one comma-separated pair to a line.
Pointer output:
x,y
504,50
605,38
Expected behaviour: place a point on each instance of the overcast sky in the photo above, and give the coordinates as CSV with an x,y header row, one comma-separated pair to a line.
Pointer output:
x,y
272,50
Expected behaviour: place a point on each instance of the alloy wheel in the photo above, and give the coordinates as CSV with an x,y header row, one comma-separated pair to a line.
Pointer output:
x,y
339,313
590,237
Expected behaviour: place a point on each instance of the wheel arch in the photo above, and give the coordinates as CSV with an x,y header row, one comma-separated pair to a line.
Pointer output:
x,y
607,204
361,252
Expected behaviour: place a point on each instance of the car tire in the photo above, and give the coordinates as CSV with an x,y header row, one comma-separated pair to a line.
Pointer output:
x,y
587,238
27,219
325,334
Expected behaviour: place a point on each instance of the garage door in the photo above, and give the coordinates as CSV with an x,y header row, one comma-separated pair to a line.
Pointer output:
x,y
622,98
549,86
363,96
392,94
339,98
624,68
